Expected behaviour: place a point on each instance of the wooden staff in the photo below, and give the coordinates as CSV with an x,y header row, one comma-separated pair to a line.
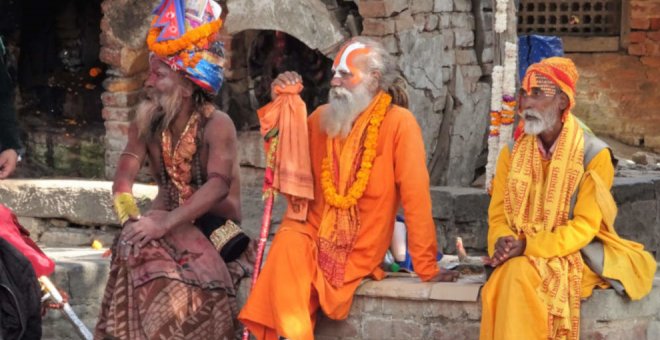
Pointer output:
x,y
268,196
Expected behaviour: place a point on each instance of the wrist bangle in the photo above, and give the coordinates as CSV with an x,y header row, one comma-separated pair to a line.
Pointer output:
x,y
126,208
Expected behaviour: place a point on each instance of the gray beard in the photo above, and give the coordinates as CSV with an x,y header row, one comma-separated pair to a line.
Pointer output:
x,y
156,112
345,107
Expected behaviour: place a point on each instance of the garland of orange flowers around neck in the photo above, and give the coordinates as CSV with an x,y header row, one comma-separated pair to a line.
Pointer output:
x,y
358,187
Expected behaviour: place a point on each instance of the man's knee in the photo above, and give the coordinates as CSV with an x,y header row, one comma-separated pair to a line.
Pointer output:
x,y
516,271
293,242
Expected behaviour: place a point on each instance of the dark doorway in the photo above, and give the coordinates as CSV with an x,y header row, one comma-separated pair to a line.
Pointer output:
x,y
274,52
54,54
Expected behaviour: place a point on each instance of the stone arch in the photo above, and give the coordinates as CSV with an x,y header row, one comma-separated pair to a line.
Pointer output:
x,y
318,28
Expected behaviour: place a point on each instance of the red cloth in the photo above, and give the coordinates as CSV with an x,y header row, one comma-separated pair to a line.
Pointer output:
x,y
15,234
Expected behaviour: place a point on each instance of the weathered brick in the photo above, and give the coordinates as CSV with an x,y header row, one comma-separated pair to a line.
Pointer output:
x,y
464,38
107,39
655,23
420,21
462,5
462,20
652,48
639,23
133,61
377,27
115,129
118,114
445,20
120,99
454,330
404,21
124,84
637,37
372,9
407,330
421,6
381,8
110,56
377,328
342,328
443,6
654,35
431,22
391,44
466,57
651,61
636,49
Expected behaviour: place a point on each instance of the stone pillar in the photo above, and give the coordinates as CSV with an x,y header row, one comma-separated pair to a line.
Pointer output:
x,y
123,48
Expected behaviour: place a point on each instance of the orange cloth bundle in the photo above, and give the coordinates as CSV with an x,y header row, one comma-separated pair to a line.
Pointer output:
x,y
292,168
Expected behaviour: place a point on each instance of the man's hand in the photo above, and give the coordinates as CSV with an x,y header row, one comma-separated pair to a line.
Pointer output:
x,y
284,79
137,234
8,160
507,247
445,276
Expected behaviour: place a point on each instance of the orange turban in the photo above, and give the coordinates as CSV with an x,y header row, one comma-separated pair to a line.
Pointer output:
x,y
561,71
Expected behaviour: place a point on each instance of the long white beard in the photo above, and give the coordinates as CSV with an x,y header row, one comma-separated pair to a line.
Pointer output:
x,y
543,122
345,107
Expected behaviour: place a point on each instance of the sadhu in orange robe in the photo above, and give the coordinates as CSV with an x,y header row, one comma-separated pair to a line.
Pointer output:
x,y
292,286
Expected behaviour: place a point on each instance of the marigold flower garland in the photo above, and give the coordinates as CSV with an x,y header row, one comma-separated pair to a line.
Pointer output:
x,y
495,122
186,43
355,192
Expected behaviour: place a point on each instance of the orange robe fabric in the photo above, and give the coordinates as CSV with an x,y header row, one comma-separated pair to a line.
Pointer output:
x,y
291,287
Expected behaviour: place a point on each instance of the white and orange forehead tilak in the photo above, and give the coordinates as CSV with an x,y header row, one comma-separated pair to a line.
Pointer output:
x,y
345,60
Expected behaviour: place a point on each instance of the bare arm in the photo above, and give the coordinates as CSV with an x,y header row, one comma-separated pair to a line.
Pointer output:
x,y
130,162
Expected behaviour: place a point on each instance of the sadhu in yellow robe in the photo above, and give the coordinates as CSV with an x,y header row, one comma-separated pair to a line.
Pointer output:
x,y
293,286
560,206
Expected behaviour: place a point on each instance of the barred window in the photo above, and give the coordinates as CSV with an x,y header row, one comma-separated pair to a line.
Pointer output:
x,y
583,25
570,18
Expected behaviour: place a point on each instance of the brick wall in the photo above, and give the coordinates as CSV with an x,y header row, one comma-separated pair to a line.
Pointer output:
x,y
619,93
645,28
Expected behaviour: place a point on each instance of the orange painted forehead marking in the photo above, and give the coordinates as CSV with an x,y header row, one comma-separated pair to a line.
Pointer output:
x,y
345,60
535,79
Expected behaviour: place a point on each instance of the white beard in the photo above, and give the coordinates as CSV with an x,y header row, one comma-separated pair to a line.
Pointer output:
x,y
345,107
537,122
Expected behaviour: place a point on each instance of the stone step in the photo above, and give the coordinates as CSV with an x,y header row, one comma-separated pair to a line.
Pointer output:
x,y
394,308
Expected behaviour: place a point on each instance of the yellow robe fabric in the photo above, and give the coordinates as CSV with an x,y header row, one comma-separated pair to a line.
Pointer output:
x,y
511,307
291,286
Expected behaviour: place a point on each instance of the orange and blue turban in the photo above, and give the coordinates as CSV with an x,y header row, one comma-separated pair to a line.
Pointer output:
x,y
183,34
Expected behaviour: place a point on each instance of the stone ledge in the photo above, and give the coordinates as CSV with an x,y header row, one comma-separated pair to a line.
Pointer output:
x,y
394,308
78,201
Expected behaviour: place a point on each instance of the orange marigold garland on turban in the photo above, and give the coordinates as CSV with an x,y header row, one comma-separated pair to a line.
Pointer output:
x,y
183,35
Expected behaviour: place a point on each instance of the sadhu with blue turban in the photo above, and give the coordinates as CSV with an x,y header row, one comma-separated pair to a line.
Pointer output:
x,y
166,278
